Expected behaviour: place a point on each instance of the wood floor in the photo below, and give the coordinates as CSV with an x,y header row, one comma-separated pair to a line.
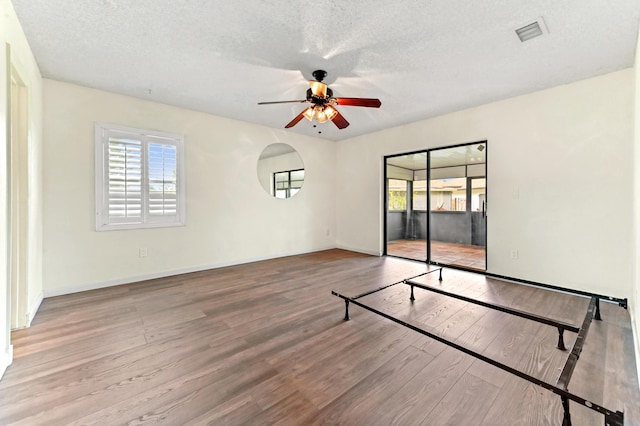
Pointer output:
x,y
265,343
466,256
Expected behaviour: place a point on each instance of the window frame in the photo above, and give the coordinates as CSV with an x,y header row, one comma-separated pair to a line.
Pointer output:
x,y
102,133
289,186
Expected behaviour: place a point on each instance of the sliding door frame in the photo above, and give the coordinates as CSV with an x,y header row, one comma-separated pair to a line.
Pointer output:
x,y
385,187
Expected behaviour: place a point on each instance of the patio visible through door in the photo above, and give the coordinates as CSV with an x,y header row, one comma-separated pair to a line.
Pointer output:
x,y
454,231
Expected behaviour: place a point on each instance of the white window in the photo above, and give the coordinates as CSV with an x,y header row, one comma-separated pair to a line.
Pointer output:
x,y
139,178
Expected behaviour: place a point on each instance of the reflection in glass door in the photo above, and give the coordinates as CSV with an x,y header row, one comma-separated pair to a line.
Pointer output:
x,y
406,201
457,215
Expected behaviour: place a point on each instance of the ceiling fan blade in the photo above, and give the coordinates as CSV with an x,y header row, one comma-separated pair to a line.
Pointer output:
x,y
296,120
339,120
282,102
362,102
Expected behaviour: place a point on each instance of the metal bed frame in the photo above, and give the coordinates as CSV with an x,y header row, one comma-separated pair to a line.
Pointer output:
x,y
611,418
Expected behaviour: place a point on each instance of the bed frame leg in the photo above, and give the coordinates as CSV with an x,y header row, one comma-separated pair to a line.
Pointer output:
x,y
346,310
561,339
440,277
597,316
614,419
412,298
566,420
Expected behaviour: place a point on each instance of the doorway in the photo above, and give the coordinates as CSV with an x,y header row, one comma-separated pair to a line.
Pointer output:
x,y
18,201
436,204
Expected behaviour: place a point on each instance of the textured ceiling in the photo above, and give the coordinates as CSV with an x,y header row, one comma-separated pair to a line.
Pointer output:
x,y
420,58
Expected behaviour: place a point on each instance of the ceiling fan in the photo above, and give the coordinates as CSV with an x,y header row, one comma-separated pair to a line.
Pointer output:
x,y
323,104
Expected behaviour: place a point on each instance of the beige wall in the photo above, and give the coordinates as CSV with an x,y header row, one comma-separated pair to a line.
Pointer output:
x,y
551,155
12,40
230,218
635,297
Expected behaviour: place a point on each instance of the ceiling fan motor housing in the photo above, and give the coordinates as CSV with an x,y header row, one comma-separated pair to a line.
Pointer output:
x,y
319,75
319,100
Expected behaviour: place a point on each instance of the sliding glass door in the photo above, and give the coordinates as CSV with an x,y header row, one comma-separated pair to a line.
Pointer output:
x,y
436,206
406,211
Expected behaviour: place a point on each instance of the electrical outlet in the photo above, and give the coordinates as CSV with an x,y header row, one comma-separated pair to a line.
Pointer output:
x,y
142,252
514,254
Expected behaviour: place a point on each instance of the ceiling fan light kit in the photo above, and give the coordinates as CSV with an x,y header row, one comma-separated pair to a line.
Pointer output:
x,y
323,104
320,113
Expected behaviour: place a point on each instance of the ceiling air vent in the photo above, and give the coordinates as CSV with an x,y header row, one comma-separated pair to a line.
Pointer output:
x,y
532,30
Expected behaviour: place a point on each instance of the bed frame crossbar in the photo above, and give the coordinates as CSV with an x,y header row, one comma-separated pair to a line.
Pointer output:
x,y
611,418
398,282
561,326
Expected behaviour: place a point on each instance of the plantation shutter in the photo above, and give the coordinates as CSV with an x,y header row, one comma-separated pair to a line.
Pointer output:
x,y
124,180
139,179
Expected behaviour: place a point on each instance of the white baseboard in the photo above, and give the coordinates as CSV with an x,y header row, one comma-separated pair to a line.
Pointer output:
x,y
360,250
5,360
128,280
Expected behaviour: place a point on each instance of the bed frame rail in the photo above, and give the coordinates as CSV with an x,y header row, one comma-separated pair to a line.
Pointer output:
x,y
611,417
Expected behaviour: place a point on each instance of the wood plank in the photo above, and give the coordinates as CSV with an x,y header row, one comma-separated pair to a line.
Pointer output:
x,y
466,403
185,398
240,410
523,403
368,394
415,400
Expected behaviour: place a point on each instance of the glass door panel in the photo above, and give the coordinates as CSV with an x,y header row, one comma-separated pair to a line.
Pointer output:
x,y
457,194
406,200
